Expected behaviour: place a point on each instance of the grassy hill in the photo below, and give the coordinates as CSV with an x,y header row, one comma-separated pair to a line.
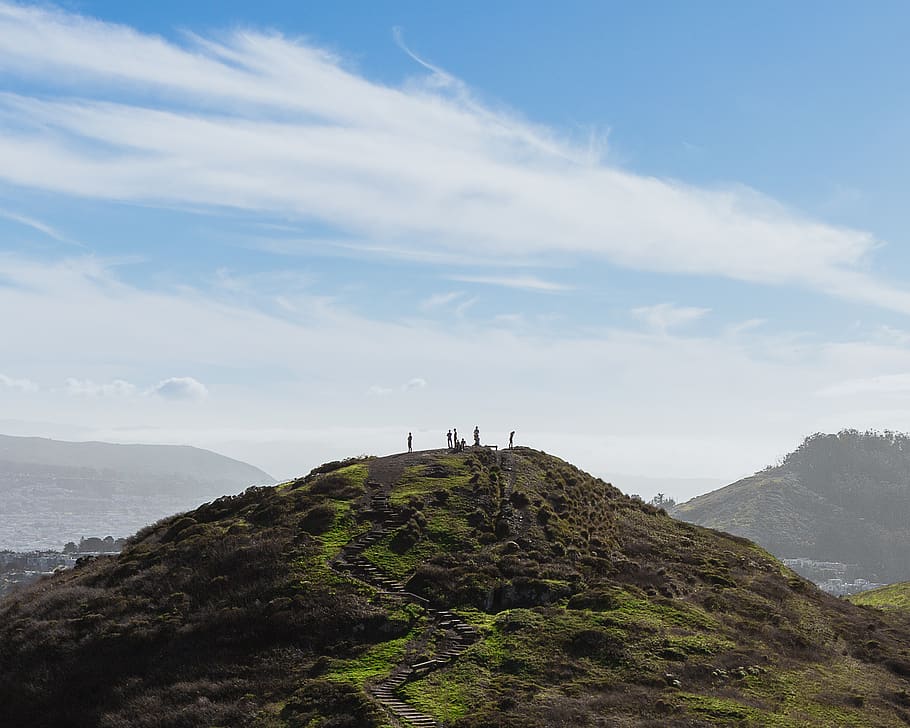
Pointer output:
x,y
893,596
843,497
469,590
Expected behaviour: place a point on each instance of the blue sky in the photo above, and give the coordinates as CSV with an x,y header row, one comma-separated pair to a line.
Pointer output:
x,y
664,241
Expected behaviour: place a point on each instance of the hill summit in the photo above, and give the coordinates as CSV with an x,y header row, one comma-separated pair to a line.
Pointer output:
x,y
838,497
434,589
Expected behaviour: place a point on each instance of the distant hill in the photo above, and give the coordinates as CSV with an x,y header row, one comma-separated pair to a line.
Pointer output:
x,y
842,497
893,596
470,590
52,492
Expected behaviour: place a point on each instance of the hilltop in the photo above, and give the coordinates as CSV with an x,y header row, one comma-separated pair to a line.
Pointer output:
x,y
53,491
843,497
469,590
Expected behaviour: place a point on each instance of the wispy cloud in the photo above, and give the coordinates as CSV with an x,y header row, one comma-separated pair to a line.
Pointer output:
x,y
255,121
409,386
88,388
173,388
527,283
38,225
744,326
664,316
23,385
437,300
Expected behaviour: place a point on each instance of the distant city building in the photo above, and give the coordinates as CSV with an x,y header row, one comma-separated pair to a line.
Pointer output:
x,y
832,576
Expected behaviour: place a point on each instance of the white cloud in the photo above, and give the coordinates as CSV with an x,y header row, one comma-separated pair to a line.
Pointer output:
x,y
173,388
744,326
438,300
23,385
312,371
409,386
34,224
258,122
528,283
180,388
664,316
87,388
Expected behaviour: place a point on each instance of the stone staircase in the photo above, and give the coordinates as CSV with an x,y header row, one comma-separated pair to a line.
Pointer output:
x,y
456,634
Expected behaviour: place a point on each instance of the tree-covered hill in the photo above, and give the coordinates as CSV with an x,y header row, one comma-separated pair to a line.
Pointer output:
x,y
843,497
470,590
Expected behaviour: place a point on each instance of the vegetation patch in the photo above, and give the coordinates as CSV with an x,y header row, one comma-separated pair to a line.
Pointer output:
x,y
893,596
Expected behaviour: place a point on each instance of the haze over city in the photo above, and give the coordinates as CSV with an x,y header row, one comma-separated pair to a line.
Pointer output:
x,y
295,233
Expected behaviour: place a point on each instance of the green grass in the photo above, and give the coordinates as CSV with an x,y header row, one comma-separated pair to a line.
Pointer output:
x,y
345,526
893,596
343,530
415,483
376,661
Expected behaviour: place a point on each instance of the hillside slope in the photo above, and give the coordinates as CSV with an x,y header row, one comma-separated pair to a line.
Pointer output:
x,y
843,497
893,596
53,491
430,589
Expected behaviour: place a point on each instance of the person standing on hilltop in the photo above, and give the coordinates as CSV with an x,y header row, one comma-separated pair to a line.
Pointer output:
x,y
476,436
410,440
455,437
449,438
511,438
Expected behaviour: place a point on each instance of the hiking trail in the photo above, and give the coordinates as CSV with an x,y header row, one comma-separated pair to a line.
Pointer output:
x,y
456,635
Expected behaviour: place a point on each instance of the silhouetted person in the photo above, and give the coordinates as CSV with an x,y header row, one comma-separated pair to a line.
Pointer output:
x,y
455,437
409,442
449,438
462,444
476,436
511,438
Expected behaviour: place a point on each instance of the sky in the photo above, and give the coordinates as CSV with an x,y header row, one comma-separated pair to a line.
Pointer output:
x,y
663,241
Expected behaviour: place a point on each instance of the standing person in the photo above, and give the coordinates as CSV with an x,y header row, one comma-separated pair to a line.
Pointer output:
x,y
476,436
462,444
455,437
410,439
449,438
511,438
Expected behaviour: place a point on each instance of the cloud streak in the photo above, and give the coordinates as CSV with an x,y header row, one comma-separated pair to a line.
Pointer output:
x,y
664,316
526,283
38,225
22,385
259,122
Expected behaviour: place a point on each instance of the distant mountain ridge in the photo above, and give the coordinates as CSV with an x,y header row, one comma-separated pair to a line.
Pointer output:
x,y
838,497
54,491
131,458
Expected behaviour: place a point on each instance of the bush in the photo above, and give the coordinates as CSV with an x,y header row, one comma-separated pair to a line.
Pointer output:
x,y
328,704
